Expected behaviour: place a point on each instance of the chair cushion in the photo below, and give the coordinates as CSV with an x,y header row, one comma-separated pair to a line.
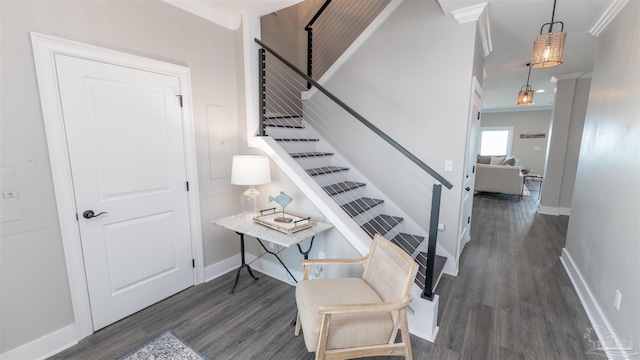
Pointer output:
x,y
363,329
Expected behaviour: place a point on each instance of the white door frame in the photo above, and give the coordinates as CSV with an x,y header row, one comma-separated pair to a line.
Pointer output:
x,y
472,121
44,48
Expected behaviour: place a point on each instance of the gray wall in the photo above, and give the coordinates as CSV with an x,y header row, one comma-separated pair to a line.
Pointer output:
x,y
420,100
570,104
524,122
34,294
602,237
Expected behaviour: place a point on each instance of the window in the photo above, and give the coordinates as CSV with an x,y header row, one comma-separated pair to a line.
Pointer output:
x,y
495,140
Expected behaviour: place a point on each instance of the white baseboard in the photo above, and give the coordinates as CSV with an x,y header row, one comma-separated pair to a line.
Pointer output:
x,y
600,324
45,346
220,268
556,211
273,269
267,267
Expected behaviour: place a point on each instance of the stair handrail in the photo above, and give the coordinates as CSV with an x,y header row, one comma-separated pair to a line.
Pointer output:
x,y
439,178
309,31
317,15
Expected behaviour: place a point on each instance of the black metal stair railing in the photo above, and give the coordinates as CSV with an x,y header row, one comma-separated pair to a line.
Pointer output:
x,y
281,106
333,28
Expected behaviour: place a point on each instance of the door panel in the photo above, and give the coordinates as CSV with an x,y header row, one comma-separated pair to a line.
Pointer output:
x,y
124,136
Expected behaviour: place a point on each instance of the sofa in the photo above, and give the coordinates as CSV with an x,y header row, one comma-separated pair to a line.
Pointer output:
x,y
499,174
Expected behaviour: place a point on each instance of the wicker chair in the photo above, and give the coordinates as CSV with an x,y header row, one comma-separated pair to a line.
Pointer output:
x,y
358,317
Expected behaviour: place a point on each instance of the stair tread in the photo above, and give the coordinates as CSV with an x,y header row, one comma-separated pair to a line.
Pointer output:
x,y
341,187
325,170
310,154
407,242
422,269
361,205
381,224
295,140
284,122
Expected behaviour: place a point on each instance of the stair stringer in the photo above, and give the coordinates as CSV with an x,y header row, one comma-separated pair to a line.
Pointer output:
x,y
325,204
422,314
409,224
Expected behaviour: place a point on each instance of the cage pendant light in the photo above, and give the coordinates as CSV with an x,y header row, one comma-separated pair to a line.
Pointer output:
x,y
548,48
525,96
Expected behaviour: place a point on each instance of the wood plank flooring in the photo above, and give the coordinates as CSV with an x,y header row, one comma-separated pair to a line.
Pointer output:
x,y
511,300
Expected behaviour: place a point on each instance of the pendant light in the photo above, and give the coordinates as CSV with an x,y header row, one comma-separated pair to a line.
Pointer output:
x,y
525,96
548,48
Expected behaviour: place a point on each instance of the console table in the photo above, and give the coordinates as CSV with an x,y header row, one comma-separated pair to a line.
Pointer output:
x,y
246,226
526,177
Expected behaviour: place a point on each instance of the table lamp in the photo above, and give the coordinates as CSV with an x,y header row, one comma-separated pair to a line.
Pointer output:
x,y
250,170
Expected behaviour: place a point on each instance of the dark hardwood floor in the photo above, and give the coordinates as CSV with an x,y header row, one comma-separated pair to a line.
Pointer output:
x,y
511,300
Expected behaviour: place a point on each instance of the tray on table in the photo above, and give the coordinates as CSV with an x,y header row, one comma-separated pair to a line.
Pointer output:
x,y
267,218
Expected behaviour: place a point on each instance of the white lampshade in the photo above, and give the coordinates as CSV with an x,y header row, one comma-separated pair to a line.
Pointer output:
x,y
250,170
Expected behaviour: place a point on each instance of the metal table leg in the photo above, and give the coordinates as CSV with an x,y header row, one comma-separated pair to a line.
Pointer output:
x,y
242,265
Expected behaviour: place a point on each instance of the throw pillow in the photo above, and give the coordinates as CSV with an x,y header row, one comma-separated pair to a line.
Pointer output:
x,y
511,160
484,159
497,160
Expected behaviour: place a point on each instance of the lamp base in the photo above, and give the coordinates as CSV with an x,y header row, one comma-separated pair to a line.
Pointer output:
x,y
249,202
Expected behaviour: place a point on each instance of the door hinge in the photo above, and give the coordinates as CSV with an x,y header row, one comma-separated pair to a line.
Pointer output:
x,y
193,263
77,218
469,220
473,170
180,98
478,111
187,186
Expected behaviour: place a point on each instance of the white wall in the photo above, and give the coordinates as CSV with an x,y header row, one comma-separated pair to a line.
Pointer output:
x,y
532,152
603,235
34,293
567,122
418,99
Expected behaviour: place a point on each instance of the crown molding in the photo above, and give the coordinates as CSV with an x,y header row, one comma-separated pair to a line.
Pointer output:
x,y
229,21
575,75
518,109
607,15
469,13
587,75
479,13
484,27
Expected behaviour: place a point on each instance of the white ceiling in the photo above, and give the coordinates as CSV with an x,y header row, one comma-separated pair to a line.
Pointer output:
x,y
513,25
228,13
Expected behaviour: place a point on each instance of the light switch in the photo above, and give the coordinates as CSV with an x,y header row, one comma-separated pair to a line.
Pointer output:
x,y
537,148
9,194
20,202
448,165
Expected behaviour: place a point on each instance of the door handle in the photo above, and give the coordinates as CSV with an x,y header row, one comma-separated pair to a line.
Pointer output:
x,y
467,188
90,214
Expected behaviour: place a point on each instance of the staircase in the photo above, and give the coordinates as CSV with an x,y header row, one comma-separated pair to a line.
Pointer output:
x,y
359,199
317,140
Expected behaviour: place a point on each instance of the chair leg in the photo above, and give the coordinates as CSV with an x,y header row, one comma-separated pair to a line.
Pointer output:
x,y
297,331
406,338
324,334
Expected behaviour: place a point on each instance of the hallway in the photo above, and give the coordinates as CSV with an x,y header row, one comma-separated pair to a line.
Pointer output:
x,y
511,300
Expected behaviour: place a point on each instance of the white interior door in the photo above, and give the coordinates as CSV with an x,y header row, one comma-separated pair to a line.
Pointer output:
x,y
470,167
125,143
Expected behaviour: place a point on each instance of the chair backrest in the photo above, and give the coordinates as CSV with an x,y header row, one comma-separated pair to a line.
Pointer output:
x,y
389,270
